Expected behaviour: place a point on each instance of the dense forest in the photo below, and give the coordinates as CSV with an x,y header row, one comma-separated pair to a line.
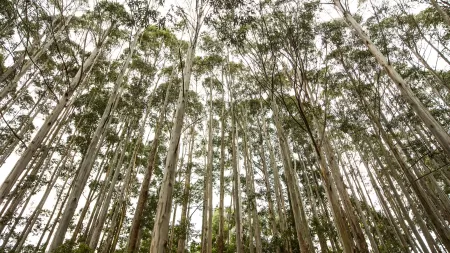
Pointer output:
x,y
225,126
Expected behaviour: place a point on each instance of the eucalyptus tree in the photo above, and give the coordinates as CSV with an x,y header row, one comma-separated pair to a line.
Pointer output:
x,y
184,225
232,77
441,11
221,236
156,40
206,66
161,228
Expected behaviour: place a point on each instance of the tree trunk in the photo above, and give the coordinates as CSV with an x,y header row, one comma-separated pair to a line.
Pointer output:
x,y
443,232
320,232
279,195
362,216
220,243
187,186
88,201
143,193
348,207
236,185
386,208
53,212
87,235
33,218
207,200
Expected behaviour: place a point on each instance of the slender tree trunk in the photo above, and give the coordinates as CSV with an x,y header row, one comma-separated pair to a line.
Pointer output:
x,y
339,216
393,173
175,208
187,186
119,228
33,218
88,201
109,234
24,189
57,218
357,180
143,193
87,235
437,222
221,244
53,211
320,234
116,222
443,232
210,168
386,208
348,207
208,181
172,227
362,216
19,216
236,185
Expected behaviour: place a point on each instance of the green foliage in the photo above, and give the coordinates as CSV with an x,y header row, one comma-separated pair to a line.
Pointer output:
x,y
69,247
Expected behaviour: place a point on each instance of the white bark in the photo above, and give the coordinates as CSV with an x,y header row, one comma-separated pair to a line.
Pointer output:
x,y
236,186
